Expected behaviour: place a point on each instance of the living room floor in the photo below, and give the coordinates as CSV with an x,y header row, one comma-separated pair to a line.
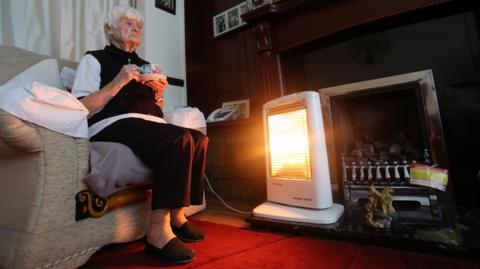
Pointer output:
x,y
217,212
253,248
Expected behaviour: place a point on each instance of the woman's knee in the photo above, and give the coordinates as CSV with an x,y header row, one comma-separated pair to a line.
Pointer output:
x,y
186,137
198,137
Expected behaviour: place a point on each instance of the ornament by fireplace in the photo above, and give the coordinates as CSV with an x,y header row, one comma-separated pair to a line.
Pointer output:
x,y
377,128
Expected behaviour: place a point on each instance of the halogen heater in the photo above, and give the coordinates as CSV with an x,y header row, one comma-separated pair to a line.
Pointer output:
x,y
298,177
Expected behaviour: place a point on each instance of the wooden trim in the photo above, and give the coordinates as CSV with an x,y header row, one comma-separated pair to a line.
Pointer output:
x,y
89,204
176,81
274,9
291,20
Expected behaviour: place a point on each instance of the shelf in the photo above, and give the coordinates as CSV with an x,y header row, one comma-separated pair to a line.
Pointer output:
x,y
231,123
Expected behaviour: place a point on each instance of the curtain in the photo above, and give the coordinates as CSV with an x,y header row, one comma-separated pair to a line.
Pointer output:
x,y
59,28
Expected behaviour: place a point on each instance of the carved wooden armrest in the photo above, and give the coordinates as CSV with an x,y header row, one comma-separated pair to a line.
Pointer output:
x,y
89,204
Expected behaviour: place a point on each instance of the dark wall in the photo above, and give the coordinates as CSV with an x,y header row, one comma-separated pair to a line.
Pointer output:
x,y
224,69
220,69
198,49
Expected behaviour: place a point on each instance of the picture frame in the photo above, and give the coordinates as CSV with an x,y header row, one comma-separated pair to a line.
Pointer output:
x,y
167,5
219,24
229,19
242,107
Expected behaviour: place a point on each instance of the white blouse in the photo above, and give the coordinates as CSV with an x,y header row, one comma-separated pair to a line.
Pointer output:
x,y
87,79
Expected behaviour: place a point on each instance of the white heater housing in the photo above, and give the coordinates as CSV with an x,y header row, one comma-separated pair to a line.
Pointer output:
x,y
298,177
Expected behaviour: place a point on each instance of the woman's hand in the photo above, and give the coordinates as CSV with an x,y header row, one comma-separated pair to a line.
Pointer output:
x,y
158,87
127,73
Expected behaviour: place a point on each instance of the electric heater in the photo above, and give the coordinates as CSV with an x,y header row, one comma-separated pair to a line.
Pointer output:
x,y
298,177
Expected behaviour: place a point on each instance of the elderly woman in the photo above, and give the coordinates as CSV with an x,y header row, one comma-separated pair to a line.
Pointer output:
x,y
127,111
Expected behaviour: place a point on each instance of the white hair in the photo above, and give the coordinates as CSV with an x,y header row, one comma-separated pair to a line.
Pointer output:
x,y
116,15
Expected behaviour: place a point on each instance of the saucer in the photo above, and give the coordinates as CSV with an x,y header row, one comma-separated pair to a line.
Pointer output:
x,y
151,76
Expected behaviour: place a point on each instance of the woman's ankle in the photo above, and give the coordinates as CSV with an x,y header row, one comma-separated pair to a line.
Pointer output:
x,y
177,217
160,232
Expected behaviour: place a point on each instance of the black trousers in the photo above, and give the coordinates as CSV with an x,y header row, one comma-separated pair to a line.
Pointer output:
x,y
176,155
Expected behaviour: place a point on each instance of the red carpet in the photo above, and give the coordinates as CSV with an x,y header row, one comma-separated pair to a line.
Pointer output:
x,y
230,247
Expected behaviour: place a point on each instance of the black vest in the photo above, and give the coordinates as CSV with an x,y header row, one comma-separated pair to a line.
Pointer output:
x,y
133,97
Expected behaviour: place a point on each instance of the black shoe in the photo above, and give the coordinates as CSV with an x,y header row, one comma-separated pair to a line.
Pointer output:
x,y
173,252
187,232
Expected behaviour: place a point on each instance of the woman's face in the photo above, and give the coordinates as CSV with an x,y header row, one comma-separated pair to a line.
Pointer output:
x,y
129,32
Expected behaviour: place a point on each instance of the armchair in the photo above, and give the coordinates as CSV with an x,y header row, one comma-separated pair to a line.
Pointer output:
x,y
41,172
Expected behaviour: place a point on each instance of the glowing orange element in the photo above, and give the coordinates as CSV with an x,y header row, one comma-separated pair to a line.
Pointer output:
x,y
289,145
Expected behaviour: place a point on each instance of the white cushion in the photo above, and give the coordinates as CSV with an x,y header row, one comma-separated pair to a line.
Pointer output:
x,y
189,117
46,106
115,167
45,72
67,75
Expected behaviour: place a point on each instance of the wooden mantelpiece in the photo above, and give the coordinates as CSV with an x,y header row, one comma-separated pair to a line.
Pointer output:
x,y
296,23
291,25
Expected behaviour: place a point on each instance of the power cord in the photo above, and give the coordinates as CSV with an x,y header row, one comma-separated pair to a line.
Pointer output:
x,y
223,202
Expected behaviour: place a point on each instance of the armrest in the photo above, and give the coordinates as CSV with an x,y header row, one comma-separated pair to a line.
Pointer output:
x,y
17,135
41,177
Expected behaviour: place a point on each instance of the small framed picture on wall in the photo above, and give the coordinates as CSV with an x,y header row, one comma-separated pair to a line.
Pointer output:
x,y
219,24
167,5
229,19
242,108
233,18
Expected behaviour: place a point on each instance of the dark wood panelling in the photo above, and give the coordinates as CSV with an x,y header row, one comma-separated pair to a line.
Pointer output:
x,y
198,51
219,70
235,162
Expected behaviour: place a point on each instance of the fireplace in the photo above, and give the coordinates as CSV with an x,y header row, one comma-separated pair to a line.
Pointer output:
x,y
304,45
378,128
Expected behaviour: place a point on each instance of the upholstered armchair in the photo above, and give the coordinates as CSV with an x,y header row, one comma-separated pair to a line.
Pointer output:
x,y
42,175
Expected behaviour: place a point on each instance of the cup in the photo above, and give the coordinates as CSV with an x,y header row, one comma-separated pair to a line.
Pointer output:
x,y
150,69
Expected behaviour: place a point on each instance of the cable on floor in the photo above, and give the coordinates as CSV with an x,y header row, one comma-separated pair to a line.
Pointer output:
x,y
223,202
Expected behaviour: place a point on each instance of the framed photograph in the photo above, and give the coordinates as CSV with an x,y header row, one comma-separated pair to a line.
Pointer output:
x,y
167,5
229,19
242,107
233,18
219,24
243,9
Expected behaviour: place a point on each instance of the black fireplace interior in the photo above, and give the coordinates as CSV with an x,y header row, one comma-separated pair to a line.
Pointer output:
x,y
379,125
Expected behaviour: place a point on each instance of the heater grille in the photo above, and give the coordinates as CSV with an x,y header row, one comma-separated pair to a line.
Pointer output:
x,y
289,144
299,104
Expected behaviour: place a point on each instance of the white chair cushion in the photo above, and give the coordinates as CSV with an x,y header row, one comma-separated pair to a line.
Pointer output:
x,y
115,167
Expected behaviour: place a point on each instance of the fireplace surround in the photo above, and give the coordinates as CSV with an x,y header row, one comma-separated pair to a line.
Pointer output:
x,y
377,128
304,45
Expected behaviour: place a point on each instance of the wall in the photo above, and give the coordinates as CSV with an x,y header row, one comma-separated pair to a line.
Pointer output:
x,y
164,43
224,69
